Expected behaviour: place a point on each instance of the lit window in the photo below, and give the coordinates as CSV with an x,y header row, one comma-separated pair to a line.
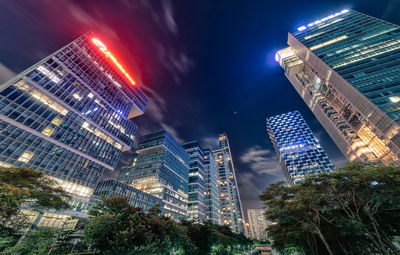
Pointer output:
x,y
26,156
77,96
394,99
90,95
47,131
328,42
49,74
56,121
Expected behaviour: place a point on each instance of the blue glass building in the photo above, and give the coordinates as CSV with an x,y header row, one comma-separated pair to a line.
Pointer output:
x,y
135,197
346,68
161,169
298,150
69,116
211,188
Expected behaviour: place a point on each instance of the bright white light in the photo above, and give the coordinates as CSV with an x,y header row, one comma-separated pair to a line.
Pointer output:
x,y
394,99
301,28
326,18
277,57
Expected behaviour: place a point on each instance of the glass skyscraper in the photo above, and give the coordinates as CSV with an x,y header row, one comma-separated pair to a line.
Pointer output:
x,y
346,68
298,150
161,169
231,205
211,198
258,223
69,116
196,208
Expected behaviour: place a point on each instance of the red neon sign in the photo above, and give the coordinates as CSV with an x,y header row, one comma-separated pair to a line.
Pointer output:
x,y
109,55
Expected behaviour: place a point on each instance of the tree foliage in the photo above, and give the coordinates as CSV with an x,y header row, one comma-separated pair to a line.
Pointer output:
x,y
26,186
353,210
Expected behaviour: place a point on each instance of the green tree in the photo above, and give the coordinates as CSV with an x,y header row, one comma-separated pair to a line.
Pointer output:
x,y
26,186
353,210
35,243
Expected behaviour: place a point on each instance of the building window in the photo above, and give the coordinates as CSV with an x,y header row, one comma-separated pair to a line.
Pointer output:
x,y
56,121
47,131
26,156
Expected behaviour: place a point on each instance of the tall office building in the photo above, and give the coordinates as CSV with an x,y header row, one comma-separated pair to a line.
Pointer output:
x,y
257,223
346,68
161,169
68,116
298,150
196,208
231,206
211,198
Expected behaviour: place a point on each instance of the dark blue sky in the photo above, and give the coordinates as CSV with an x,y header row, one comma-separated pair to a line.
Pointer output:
x,y
207,65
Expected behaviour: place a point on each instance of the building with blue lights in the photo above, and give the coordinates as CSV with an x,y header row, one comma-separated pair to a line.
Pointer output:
x,y
298,150
211,188
231,205
346,68
161,168
69,117
196,208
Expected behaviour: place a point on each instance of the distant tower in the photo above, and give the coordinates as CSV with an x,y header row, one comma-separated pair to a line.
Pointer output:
x,y
211,198
196,208
346,68
161,169
231,206
69,116
257,223
298,150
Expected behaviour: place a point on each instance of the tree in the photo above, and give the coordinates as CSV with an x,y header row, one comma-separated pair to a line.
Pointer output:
x,y
353,210
25,186
119,228
36,242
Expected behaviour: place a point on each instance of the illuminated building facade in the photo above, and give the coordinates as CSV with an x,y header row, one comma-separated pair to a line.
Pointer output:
x,y
346,68
135,197
68,116
211,188
257,223
196,208
231,205
161,169
298,150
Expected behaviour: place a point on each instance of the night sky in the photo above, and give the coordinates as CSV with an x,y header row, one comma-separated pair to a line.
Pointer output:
x,y
208,65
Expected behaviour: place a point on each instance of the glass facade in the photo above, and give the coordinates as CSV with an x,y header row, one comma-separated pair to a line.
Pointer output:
x,y
136,198
258,223
161,169
346,68
211,188
231,205
298,150
69,116
196,208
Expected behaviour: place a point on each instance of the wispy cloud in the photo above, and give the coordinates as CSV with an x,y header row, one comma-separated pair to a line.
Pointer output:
x,y
5,73
263,170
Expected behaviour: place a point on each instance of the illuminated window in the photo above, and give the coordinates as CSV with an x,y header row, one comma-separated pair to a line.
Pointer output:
x,y
328,42
90,95
394,99
4,164
47,131
26,156
77,96
56,121
49,74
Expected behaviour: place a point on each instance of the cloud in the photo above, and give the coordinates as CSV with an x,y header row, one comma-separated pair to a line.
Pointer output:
x,y
262,170
169,16
210,142
5,73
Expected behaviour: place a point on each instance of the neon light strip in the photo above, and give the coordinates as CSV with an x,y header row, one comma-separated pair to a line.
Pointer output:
x,y
109,55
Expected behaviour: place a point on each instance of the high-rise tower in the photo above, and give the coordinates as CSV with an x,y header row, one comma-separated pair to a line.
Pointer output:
x,y
211,187
161,168
258,224
231,205
68,116
196,208
346,68
298,150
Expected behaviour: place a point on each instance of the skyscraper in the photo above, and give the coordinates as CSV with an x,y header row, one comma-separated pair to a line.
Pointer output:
x,y
161,169
68,116
231,206
346,68
298,150
211,198
196,208
258,223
